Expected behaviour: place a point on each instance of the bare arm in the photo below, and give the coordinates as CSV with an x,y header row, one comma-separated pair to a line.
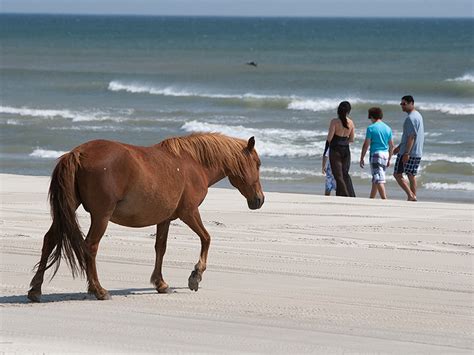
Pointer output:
x,y
390,151
325,159
410,142
331,131
365,146
352,134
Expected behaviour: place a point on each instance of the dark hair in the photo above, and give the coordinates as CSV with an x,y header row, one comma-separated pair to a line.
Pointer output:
x,y
375,113
409,99
342,111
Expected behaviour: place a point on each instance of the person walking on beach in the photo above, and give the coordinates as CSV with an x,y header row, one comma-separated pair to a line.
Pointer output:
x,y
340,134
330,183
410,149
379,138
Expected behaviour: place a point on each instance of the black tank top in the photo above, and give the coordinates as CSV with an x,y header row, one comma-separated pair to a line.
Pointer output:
x,y
339,141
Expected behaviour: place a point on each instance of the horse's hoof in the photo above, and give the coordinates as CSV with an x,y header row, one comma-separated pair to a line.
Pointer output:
x,y
163,289
193,281
34,296
105,296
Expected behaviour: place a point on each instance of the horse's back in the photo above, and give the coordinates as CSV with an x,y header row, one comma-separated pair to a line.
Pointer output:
x,y
143,185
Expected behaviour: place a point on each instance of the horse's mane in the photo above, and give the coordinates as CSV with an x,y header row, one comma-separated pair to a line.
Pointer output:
x,y
213,150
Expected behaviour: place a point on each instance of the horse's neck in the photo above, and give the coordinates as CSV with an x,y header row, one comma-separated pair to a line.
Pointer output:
x,y
214,175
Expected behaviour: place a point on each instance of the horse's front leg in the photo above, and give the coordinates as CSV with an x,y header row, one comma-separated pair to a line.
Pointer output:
x,y
194,222
160,249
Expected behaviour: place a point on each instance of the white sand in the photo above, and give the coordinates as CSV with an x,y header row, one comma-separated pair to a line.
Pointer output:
x,y
305,274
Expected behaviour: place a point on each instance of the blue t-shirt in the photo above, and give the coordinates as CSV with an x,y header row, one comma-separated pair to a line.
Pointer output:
x,y
379,134
413,125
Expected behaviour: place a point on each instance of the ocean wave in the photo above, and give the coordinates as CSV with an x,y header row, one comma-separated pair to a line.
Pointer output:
x,y
140,88
469,77
281,178
327,104
290,102
452,109
75,116
290,171
46,154
323,104
272,142
448,158
465,186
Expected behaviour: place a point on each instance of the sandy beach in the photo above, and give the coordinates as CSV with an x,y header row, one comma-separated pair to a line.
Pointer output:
x,y
304,274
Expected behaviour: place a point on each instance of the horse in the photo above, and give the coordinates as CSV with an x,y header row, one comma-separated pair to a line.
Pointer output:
x,y
137,186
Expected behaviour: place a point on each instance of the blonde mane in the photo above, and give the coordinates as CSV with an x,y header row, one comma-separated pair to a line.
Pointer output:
x,y
213,150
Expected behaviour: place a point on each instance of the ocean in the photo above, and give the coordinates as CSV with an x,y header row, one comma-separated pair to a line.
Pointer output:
x,y
68,79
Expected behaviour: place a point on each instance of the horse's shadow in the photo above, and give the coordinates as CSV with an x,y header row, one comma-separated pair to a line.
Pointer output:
x,y
84,296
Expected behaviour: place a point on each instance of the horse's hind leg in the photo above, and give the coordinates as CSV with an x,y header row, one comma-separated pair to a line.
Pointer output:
x,y
96,231
160,249
194,222
34,294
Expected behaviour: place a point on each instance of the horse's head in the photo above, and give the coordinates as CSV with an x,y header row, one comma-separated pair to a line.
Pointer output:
x,y
249,183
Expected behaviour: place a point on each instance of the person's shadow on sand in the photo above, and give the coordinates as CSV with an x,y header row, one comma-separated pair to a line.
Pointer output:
x,y
84,296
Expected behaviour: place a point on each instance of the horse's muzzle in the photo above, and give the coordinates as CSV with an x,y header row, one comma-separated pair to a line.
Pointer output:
x,y
256,203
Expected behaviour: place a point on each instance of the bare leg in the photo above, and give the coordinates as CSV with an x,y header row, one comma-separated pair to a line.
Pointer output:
x,y
96,231
403,184
381,190
412,180
160,249
194,222
373,191
34,294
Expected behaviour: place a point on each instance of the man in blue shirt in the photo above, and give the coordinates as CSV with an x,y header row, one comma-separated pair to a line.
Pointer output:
x,y
410,149
379,137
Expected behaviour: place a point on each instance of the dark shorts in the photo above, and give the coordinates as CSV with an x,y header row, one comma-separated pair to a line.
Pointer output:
x,y
411,167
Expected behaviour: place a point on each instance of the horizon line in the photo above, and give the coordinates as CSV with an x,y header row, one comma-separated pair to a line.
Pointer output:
x,y
238,16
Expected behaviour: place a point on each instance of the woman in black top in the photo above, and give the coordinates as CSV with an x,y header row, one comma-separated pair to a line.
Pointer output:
x,y
341,133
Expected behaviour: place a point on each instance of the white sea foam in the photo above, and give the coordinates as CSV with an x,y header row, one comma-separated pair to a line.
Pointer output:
x,y
290,171
14,122
446,157
75,116
281,178
275,142
449,108
469,77
293,102
321,104
465,186
46,154
269,141
141,88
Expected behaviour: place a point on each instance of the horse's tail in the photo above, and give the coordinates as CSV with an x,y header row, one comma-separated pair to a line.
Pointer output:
x,y
64,200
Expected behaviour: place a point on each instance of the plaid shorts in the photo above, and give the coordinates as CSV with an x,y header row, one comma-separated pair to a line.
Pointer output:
x,y
378,164
409,168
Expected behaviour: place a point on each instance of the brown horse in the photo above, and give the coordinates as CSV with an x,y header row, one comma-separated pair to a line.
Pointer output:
x,y
136,187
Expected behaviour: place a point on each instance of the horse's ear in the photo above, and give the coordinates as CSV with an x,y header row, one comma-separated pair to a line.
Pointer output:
x,y
251,144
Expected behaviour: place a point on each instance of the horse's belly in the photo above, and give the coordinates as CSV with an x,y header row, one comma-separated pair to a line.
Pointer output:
x,y
142,213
